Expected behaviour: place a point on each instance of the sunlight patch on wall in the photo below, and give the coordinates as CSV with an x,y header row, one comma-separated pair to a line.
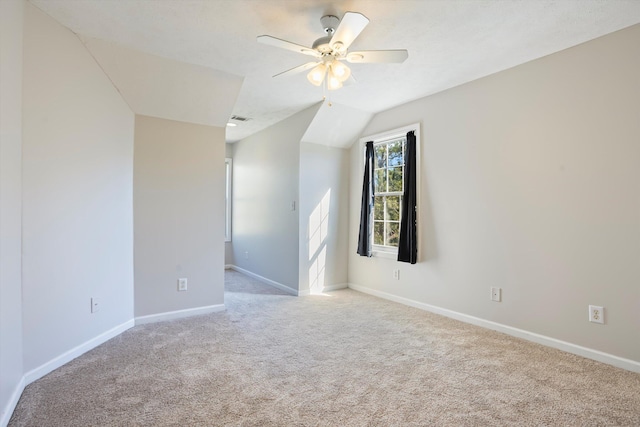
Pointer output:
x,y
318,232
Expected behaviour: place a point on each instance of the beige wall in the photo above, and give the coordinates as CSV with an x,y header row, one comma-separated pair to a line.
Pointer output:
x,y
77,221
530,182
11,16
266,181
324,204
178,215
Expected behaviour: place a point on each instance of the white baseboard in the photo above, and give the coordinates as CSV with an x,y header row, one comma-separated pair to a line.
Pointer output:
x,y
228,266
589,353
7,411
68,356
264,280
327,288
178,314
335,287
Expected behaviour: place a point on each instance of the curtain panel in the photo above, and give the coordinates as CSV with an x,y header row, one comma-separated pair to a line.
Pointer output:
x,y
408,243
366,204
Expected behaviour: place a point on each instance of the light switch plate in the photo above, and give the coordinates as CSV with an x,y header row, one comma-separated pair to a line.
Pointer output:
x,y
496,294
95,306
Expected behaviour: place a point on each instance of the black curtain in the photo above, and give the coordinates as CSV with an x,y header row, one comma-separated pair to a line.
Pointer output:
x,y
366,206
408,244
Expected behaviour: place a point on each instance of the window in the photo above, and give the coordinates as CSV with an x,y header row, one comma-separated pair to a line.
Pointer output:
x,y
227,200
388,184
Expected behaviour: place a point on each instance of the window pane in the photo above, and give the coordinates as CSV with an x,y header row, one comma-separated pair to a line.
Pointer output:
x,y
395,179
381,156
395,154
378,209
378,233
393,208
380,181
393,233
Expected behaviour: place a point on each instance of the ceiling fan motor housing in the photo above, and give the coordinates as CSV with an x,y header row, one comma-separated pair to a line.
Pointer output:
x,y
329,24
322,45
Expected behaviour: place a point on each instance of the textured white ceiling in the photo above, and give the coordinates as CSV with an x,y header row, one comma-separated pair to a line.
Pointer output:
x,y
166,88
450,42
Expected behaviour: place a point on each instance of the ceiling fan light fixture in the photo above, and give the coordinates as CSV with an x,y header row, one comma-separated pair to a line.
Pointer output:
x,y
333,82
328,69
340,70
316,76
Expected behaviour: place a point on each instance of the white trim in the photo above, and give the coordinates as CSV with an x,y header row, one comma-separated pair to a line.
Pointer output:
x,y
7,412
68,356
178,314
228,267
266,281
335,287
324,289
385,254
589,353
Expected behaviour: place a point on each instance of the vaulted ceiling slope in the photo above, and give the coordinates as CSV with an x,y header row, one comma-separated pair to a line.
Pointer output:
x,y
450,42
166,88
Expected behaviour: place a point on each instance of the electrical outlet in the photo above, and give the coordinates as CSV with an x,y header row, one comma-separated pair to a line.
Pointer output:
x,y
95,306
396,274
596,314
246,254
182,284
496,294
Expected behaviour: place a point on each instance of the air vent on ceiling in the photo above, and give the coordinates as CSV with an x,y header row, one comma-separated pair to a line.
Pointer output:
x,y
240,119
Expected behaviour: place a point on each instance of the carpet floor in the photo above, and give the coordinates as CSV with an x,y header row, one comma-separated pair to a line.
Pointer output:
x,y
340,359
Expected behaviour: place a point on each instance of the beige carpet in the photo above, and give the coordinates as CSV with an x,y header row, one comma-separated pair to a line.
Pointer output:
x,y
346,359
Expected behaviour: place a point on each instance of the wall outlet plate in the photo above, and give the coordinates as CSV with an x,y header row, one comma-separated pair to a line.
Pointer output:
x,y
396,274
596,314
182,284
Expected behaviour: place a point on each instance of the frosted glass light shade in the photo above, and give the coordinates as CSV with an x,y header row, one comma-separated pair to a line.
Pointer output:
x,y
333,82
340,70
316,75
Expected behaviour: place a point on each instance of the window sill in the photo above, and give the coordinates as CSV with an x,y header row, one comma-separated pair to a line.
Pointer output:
x,y
385,254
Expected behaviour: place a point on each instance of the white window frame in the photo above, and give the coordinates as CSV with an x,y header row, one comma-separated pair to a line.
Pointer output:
x,y
385,194
389,251
228,166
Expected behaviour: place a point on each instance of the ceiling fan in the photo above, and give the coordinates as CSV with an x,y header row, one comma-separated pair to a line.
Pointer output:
x,y
329,51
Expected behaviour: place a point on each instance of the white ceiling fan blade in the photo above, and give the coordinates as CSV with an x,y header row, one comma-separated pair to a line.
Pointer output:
x,y
298,69
383,56
350,27
283,44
